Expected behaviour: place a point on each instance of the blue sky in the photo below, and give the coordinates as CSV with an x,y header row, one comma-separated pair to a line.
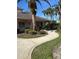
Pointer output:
x,y
23,5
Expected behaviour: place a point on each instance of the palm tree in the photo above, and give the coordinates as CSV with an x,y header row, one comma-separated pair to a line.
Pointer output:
x,y
58,9
33,8
49,12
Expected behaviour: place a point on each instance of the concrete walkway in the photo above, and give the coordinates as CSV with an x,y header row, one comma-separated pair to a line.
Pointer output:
x,y
57,53
26,46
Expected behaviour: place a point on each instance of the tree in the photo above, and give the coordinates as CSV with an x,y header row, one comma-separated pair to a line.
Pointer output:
x,y
33,8
49,12
58,9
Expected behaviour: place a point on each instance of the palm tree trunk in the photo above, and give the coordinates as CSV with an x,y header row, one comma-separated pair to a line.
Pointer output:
x,y
33,21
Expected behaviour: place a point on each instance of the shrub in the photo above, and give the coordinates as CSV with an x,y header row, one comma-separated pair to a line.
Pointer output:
x,y
27,30
42,32
45,27
33,32
30,31
58,27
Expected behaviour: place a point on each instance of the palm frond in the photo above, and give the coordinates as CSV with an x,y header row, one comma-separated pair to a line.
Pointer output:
x,y
47,2
39,3
18,1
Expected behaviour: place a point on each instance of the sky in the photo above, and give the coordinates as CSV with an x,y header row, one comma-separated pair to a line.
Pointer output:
x,y
23,5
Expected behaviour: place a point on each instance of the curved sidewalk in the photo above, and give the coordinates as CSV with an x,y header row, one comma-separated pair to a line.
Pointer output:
x,y
26,46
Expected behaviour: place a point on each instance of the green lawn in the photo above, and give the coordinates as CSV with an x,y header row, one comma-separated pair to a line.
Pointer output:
x,y
44,51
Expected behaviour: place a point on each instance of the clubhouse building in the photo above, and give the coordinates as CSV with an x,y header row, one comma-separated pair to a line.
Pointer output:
x,y
24,21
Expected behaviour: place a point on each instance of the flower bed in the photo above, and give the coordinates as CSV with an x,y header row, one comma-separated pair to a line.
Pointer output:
x,y
32,34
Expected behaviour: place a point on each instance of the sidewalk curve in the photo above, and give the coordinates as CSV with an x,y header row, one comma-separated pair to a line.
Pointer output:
x,y
26,46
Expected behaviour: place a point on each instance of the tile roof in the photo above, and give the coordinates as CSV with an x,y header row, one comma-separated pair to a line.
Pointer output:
x,y
28,16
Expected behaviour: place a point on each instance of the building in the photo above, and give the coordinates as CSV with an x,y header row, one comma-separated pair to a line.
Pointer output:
x,y
24,21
